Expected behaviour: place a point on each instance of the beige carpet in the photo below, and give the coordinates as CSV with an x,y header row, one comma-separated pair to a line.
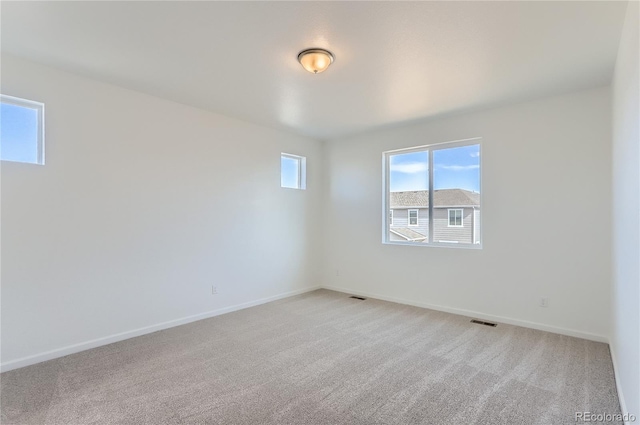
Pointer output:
x,y
321,358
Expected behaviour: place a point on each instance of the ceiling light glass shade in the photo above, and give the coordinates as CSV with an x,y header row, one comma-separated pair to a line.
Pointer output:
x,y
315,60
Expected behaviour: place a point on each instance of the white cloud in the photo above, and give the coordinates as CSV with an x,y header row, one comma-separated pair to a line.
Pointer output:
x,y
474,154
409,167
459,167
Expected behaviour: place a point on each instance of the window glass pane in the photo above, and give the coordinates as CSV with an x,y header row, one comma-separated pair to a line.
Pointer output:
x,y
409,196
456,183
452,173
290,171
18,133
413,217
409,171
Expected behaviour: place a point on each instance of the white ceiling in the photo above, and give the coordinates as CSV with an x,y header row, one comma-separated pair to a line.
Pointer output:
x,y
395,61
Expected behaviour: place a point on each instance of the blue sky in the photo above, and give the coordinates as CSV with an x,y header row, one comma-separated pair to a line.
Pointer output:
x,y
452,168
18,133
289,174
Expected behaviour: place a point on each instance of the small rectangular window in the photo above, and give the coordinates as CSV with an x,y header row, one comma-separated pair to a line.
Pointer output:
x,y
21,130
293,171
413,217
455,218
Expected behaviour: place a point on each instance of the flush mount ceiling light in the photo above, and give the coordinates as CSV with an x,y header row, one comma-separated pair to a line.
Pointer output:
x,y
315,60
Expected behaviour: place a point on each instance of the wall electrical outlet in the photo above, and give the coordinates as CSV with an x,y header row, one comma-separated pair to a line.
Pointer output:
x,y
544,302
214,290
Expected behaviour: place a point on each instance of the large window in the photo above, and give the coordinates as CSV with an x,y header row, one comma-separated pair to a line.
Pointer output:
x,y
21,130
433,193
293,171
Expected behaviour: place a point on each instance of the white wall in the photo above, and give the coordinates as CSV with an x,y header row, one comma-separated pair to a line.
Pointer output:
x,y
625,341
546,217
142,206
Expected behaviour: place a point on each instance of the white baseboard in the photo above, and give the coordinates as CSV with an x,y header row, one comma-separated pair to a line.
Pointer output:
x,y
616,375
477,314
75,348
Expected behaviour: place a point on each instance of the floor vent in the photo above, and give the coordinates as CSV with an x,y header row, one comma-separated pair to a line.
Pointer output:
x,y
481,322
357,298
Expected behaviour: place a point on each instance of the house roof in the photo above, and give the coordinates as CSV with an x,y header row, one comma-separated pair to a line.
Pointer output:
x,y
408,234
441,198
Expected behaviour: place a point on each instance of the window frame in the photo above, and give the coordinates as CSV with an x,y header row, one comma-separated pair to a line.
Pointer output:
x,y
39,107
409,217
449,210
386,240
302,170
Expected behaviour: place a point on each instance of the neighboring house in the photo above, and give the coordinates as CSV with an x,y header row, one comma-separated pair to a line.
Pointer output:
x,y
456,216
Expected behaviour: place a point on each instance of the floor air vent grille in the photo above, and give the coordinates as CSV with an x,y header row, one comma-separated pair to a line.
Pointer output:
x,y
482,322
357,298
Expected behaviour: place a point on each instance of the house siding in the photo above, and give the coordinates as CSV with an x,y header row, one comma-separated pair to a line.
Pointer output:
x,y
401,219
476,226
442,231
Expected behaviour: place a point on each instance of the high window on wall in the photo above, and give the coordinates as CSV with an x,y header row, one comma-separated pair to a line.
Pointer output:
x,y
21,130
293,171
433,195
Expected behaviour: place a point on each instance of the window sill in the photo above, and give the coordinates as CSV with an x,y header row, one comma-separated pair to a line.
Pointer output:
x,y
436,245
